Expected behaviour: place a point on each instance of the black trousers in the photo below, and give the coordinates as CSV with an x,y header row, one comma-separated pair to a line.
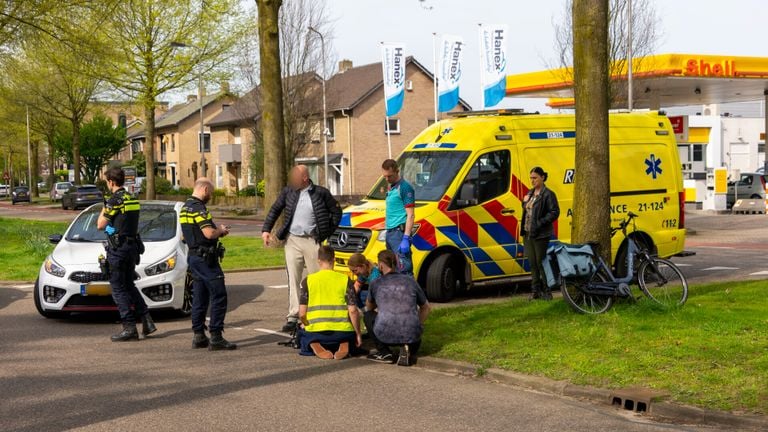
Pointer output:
x,y
122,266
369,317
208,289
536,251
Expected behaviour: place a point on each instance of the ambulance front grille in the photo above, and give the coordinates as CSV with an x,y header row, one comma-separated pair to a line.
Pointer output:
x,y
350,239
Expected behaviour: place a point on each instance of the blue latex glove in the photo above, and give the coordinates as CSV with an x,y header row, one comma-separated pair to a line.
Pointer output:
x,y
110,230
405,244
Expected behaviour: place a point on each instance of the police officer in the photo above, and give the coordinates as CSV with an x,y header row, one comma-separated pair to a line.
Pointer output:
x,y
120,220
202,237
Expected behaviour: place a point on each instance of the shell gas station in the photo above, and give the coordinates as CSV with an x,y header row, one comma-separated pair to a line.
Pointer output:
x,y
708,149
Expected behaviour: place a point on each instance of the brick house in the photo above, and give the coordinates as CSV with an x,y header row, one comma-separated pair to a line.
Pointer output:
x,y
357,141
178,154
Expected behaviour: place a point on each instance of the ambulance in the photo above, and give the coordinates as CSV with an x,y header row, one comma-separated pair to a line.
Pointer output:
x,y
470,174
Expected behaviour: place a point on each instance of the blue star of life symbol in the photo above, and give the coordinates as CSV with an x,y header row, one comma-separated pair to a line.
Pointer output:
x,y
654,166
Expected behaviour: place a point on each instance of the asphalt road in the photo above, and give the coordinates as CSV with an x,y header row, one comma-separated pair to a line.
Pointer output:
x,y
66,375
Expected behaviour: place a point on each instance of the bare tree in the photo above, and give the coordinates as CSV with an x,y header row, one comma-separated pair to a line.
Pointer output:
x,y
646,24
591,197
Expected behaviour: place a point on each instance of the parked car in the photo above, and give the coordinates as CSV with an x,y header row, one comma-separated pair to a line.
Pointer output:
x,y
81,196
42,187
58,190
70,279
4,190
20,194
749,186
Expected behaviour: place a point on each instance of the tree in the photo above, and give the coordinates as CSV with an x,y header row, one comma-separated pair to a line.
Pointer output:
x,y
645,34
140,162
272,123
591,197
141,37
101,140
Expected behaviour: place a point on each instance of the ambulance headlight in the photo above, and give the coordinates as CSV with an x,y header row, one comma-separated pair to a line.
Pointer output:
x,y
382,237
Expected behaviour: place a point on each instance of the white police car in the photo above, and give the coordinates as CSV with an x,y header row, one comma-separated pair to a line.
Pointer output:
x,y
71,280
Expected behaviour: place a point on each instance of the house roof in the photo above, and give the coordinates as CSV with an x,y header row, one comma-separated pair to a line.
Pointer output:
x,y
344,91
179,113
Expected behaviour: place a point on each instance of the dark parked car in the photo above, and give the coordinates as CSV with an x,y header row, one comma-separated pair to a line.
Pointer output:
x,y
81,196
20,194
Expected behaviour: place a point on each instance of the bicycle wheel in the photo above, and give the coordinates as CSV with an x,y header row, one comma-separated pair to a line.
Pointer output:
x,y
663,282
573,293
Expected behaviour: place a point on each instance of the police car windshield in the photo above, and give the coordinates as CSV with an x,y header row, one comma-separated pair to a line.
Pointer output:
x,y
430,173
156,223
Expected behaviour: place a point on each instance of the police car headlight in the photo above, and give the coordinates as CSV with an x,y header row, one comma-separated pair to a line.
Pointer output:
x,y
51,267
163,266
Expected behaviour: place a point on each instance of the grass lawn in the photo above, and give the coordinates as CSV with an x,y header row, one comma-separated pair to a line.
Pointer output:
x,y
24,245
713,352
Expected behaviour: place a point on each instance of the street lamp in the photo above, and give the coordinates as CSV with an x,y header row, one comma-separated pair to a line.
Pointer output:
x,y
325,114
203,165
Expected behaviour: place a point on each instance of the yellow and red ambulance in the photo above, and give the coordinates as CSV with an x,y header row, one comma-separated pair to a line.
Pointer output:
x,y
470,174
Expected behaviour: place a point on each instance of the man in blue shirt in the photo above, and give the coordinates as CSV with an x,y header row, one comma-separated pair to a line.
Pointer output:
x,y
399,215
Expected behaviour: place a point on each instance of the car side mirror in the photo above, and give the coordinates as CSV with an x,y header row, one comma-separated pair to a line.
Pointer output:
x,y
54,238
462,203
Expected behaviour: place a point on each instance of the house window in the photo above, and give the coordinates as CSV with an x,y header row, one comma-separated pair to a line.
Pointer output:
x,y
392,126
330,126
173,142
236,134
135,146
698,153
430,122
206,142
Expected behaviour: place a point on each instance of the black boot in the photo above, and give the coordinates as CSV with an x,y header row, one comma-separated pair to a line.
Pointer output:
x,y
200,340
218,343
129,333
147,325
546,294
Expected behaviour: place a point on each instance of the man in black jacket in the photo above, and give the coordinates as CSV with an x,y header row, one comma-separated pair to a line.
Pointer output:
x,y
311,216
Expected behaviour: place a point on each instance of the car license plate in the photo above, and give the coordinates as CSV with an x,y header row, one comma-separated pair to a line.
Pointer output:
x,y
90,196
95,289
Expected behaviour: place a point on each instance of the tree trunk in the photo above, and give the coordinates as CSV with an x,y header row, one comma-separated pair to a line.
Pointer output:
x,y
76,149
149,149
272,121
35,169
51,162
591,198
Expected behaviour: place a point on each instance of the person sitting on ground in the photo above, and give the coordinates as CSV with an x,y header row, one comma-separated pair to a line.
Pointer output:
x,y
396,309
366,273
328,311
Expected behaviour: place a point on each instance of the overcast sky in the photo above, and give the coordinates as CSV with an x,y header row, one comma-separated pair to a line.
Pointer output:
x,y
734,27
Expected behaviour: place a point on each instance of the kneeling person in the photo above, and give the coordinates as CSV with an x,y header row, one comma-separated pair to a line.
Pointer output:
x,y
327,308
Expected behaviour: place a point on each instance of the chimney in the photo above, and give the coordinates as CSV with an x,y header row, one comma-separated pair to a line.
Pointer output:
x,y
191,98
224,87
345,65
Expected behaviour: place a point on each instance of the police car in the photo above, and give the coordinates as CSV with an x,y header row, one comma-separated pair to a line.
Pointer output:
x,y
71,280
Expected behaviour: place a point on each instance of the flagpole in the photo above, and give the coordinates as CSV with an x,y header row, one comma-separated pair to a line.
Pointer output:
x,y
482,65
434,62
389,139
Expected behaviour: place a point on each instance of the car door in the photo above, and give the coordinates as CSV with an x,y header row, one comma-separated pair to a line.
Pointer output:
x,y
486,220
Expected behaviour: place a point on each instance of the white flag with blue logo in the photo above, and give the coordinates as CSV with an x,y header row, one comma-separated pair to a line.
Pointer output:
x,y
449,72
393,66
493,54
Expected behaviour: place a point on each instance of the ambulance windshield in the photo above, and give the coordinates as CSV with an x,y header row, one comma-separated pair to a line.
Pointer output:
x,y
430,173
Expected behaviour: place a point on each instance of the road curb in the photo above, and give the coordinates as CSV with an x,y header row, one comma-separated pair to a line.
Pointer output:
x,y
659,410
247,270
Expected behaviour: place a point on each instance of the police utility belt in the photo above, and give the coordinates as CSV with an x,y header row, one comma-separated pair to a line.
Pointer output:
x,y
211,254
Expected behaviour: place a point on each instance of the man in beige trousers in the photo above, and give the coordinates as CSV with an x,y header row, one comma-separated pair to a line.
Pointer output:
x,y
311,216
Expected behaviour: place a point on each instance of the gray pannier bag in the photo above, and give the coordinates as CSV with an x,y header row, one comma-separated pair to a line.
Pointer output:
x,y
567,261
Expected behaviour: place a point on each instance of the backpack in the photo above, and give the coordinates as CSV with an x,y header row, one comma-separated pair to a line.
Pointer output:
x,y
567,261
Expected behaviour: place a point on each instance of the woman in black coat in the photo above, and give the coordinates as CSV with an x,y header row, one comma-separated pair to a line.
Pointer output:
x,y
540,211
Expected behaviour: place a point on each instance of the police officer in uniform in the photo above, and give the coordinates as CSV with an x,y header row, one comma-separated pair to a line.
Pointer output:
x,y
120,220
201,235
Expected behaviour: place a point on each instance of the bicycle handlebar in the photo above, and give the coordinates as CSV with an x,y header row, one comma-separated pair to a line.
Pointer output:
x,y
623,224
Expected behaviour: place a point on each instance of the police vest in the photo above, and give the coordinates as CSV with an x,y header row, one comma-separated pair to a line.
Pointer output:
x,y
327,308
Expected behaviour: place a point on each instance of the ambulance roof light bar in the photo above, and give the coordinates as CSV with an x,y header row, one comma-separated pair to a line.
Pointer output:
x,y
498,112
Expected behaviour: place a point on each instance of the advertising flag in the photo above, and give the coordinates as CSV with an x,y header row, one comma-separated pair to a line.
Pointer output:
x,y
493,55
393,66
449,72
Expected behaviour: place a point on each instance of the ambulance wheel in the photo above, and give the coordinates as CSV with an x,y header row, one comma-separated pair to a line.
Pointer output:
x,y
442,279
755,196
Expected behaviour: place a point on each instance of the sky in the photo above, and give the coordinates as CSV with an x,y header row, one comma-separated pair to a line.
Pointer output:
x,y
734,27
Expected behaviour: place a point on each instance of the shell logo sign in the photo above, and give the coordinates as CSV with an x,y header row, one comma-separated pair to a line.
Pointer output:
x,y
703,68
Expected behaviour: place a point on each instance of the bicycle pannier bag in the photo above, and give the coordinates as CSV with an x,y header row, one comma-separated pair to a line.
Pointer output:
x,y
566,261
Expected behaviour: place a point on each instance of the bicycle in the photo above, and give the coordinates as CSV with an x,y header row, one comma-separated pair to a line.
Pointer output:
x,y
658,278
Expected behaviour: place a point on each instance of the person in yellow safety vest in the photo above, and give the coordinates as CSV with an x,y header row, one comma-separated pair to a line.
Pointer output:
x,y
328,311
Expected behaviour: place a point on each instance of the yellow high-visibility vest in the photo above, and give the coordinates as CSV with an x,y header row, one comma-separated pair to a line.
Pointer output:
x,y
327,307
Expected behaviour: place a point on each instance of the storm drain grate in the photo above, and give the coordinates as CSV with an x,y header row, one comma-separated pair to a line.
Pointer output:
x,y
635,399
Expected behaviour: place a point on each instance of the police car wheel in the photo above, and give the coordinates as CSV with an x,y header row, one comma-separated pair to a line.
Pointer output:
x,y
39,306
442,279
186,305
